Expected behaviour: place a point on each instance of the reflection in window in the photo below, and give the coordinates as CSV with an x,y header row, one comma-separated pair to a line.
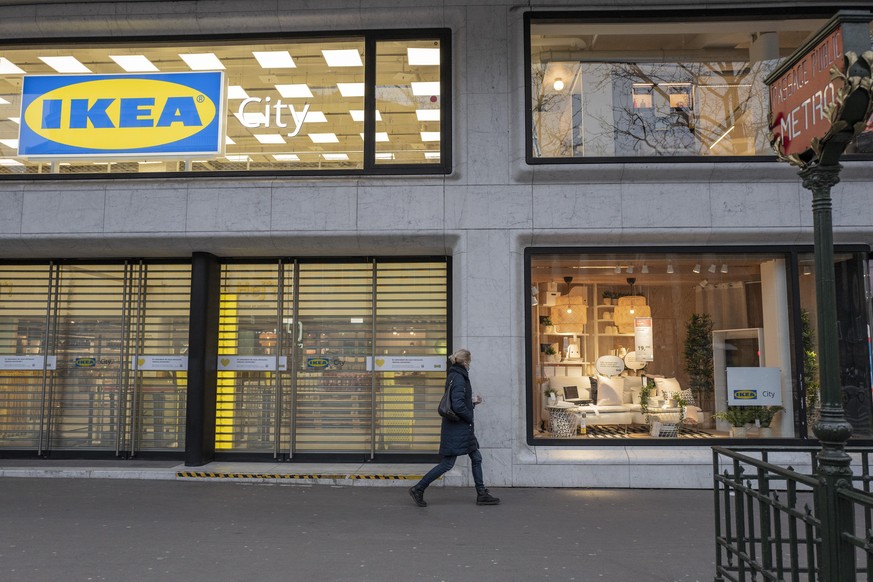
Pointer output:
x,y
656,89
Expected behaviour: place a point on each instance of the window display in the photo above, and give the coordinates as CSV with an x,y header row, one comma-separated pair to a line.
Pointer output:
x,y
681,345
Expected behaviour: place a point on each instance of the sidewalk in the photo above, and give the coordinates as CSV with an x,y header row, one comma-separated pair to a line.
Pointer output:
x,y
144,530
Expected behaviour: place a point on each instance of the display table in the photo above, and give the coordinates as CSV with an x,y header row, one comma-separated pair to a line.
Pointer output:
x,y
563,420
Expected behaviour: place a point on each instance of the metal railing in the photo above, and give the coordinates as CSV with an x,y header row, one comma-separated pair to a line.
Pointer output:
x,y
768,525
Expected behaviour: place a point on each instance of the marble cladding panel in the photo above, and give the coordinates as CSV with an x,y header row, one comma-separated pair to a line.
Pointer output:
x,y
604,475
497,466
488,207
76,209
491,375
665,206
486,274
487,52
581,206
308,207
677,476
152,210
851,203
756,205
400,208
487,138
235,209
12,204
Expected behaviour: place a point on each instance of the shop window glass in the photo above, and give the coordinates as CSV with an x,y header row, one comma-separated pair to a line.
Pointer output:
x,y
655,89
295,105
626,338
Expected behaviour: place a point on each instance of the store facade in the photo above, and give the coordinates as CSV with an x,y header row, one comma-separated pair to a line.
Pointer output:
x,y
261,241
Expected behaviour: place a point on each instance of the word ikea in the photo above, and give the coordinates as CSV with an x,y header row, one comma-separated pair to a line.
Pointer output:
x,y
174,114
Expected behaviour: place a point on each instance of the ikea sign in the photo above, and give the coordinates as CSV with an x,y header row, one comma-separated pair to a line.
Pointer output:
x,y
126,115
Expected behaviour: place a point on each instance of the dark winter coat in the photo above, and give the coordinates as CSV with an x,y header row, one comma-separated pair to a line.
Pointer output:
x,y
456,437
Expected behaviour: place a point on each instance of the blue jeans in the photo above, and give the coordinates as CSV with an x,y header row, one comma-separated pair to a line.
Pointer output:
x,y
447,463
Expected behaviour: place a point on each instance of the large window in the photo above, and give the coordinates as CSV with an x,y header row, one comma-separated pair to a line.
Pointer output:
x,y
654,88
687,345
357,104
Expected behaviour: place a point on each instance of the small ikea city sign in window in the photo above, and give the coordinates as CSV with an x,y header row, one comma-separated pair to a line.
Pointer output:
x,y
125,115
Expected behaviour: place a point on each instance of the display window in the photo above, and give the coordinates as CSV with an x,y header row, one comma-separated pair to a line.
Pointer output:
x,y
656,88
318,104
687,346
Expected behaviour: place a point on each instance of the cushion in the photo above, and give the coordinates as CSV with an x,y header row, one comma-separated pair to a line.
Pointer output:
x,y
632,387
667,386
687,396
610,391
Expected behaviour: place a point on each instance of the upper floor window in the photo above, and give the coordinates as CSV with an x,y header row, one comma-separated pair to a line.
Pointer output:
x,y
367,103
652,88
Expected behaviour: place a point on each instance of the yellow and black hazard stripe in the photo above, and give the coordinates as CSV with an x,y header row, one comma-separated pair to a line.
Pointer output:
x,y
305,477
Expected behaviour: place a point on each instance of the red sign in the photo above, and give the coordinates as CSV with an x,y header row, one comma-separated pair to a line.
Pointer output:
x,y
800,96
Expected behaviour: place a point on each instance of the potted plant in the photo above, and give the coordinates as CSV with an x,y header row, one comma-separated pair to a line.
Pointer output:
x,y
763,416
546,322
698,358
551,395
810,372
738,417
551,354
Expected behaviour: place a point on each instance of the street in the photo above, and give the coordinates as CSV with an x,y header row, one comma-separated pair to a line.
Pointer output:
x,y
116,529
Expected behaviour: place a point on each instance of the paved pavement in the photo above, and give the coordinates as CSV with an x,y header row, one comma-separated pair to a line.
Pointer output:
x,y
221,529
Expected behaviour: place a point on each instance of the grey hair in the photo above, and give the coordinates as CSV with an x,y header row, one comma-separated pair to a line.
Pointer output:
x,y
462,357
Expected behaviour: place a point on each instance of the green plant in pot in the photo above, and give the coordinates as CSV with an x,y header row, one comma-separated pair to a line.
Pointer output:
x,y
550,353
738,417
698,359
810,372
763,416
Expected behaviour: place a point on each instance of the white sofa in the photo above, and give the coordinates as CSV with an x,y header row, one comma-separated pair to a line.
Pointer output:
x,y
618,399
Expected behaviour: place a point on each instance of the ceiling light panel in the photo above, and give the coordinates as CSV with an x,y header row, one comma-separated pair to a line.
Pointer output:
x,y
427,114
315,117
351,89
236,92
425,88
134,63
335,157
202,62
274,59
7,67
423,56
65,64
358,115
269,138
294,91
286,157
323,138
342,58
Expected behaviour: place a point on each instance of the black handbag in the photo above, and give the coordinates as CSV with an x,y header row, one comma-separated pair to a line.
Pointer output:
x,y
445,407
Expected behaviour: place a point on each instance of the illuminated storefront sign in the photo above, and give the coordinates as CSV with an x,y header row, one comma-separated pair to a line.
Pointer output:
x,y
122,115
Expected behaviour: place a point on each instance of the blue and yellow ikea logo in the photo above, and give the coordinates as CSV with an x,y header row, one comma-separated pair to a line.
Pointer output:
x,y
85,362
318,363
746,394
172,114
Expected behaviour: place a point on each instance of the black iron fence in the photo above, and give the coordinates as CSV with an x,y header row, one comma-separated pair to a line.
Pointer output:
x,y
768,525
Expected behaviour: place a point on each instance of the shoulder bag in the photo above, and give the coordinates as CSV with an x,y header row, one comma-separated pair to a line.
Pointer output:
x,y
445,407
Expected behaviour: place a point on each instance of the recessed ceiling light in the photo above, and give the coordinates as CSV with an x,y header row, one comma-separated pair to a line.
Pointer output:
x,y
342,58
7,67
286,157
228,140
351,89
134,63
380,136
430,136
8,162
300,90
202,62
269,138
423,56
236,92
15,120
335,157
3,101
385,156
242,158
65,64
323,138
426,88
10,143
275,59
427,114
431,155
315,117
358,115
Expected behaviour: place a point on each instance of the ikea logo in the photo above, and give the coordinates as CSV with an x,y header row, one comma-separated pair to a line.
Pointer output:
x,y
122,115
317,363
746,394
85,362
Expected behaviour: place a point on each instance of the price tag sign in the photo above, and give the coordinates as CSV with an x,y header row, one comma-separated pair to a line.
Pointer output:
x,y
643,343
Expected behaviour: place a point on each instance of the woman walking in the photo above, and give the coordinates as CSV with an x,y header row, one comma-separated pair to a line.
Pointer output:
x,y
457,437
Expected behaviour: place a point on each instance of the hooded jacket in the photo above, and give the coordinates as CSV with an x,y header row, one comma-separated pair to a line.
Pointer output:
x,y
457,437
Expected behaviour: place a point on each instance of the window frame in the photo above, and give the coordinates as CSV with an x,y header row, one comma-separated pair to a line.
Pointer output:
x,y
371,38
642,17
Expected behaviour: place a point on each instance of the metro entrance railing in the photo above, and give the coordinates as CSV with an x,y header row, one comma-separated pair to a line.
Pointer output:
x,y
771,520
